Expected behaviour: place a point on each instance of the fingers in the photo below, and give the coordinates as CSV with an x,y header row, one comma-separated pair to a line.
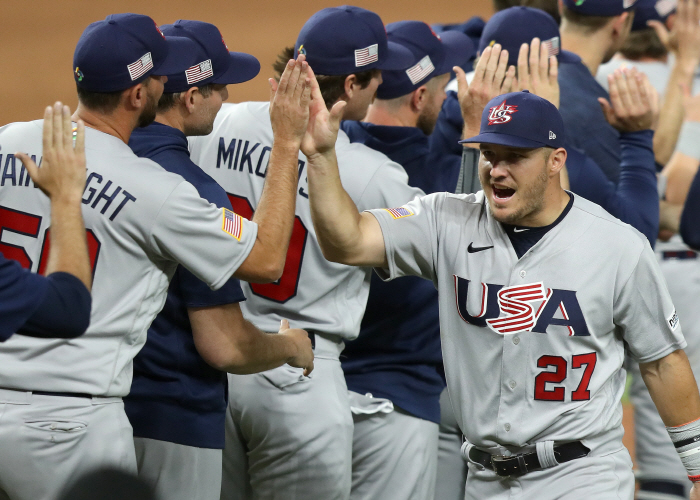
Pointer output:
x,y
607,110
660,30
309,369
47,132
523,68
67,129
284,325
284,79
301,79
314,87
462,85
29,165
509,81
543,66
536,74
553,70
501,71
337,114
493,63
480,68
273,88
614,91
57,125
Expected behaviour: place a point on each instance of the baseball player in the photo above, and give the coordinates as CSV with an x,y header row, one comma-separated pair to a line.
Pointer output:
x,y
533,342
397,354
290,436
177,403
62,406
58,305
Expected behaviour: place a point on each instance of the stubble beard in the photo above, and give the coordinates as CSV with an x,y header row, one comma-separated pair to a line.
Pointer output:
x,y
534,200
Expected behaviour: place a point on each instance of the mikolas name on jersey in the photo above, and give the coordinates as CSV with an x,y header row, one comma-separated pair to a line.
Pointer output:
x,y
528,308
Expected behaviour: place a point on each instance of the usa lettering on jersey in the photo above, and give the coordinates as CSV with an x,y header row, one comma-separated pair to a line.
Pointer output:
x,y
527,308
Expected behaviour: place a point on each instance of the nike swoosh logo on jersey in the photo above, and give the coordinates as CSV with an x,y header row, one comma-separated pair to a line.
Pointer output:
x,y
472,249
516,230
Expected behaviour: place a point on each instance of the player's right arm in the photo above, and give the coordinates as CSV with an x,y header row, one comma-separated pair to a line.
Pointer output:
x,y
230,343
289,114
344,234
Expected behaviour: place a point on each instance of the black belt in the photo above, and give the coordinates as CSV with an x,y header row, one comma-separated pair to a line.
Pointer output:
x,y
63,394
525,462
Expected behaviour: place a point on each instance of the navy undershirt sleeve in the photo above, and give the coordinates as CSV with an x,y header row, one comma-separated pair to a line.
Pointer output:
x,y
690,218
634,199
64,311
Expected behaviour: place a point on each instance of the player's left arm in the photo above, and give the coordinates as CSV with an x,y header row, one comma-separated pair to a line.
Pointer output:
x,y
674,391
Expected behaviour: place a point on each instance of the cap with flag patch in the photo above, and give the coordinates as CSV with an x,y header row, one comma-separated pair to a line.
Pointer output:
x,y
432,55
518,25
214,63
605,8
520,120
652,10
123,50
345,40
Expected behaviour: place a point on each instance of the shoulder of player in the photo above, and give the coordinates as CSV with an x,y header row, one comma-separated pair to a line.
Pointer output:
x,y
606,224
363,163
247,112
21,129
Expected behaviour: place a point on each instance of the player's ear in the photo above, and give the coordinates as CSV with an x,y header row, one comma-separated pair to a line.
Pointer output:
x,y
136,96
419,98
350,83
189,98
557,160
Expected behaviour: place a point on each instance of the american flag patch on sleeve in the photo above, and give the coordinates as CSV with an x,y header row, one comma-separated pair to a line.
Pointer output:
x,y
232,224
399,213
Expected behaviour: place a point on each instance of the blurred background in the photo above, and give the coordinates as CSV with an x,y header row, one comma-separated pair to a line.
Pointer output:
x,y
37,37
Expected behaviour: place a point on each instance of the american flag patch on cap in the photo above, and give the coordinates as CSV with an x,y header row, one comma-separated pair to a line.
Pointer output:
x,y
199,72
233,224
366,56
552,46
141,66
398,213
421,70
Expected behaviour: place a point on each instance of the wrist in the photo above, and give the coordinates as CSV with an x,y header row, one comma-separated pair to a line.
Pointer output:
x,y
66,201
684,70
284,144
321,159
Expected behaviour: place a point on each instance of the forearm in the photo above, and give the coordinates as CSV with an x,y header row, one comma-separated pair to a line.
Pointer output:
x,y
257,351
683,166
337,222
673,388
68,252
274,216
672,112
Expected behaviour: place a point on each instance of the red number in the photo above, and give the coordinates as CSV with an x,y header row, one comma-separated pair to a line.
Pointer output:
x,y
555,377
93,250
22,223
582,393
286,287
27,224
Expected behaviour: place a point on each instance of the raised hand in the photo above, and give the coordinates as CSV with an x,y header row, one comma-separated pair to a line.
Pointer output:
x,y
538,71
684,39
635,103
492,77
62,173
305,354
289,102
322,130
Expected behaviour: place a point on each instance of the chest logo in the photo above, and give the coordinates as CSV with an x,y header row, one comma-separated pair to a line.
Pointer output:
x,y
472,249
501,114
522,308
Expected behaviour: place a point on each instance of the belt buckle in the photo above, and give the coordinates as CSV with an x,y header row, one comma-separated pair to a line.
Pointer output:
x,y
508,466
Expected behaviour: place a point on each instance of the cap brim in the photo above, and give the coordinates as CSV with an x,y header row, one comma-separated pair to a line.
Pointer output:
x,y
459,48
182,55
505,140
398,57
243,67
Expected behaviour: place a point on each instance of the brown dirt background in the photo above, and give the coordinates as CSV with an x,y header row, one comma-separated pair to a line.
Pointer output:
x,y
37,39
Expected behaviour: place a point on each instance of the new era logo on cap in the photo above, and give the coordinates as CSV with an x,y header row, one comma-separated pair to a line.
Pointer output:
x,y
366,56
501,113
140,67
199,72
552,135
421,70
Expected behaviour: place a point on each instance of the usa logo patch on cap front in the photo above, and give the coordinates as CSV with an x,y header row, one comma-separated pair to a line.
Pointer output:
x,y
501,114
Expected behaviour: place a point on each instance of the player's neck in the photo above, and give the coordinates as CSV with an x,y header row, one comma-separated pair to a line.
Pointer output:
x,y
555,201
172,118
117,124
591,48
379,114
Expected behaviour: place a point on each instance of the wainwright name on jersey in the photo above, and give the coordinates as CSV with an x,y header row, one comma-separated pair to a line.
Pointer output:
x,y
533,347
141,222
313,293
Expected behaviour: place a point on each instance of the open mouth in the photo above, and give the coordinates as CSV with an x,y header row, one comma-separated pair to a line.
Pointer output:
x,y
502,194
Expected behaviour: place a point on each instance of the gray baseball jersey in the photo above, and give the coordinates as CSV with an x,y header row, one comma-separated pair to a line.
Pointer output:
x,y
141,222
533,347
312,293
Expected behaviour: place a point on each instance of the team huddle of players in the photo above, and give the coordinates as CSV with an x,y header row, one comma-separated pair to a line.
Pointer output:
x,y
218,313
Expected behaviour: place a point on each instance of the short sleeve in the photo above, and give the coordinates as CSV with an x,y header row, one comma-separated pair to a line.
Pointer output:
x,y
645,312
21,292
410,237
388,188
210,242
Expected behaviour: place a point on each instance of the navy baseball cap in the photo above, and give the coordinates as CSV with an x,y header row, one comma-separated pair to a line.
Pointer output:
x,y
433,55
124,50
345,40
515,26
652,10
214,63
521,120
604,8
